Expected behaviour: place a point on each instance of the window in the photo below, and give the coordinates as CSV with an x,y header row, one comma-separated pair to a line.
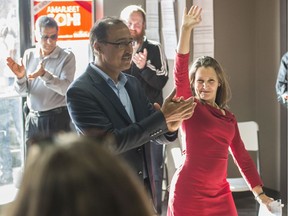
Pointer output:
x,y
11,119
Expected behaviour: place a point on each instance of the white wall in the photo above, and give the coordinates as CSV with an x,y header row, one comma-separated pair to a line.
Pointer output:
x,y
247,45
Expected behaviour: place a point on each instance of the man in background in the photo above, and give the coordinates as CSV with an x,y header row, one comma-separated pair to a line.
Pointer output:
x,y
149,66
44,75
282,80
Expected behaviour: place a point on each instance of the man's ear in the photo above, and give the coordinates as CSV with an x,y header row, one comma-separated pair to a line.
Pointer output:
x,y
97,47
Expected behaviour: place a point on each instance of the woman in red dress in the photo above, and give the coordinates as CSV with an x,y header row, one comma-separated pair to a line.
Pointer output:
x,y
199,187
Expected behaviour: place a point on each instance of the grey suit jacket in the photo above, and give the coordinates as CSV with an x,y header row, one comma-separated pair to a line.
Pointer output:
x,y
92,104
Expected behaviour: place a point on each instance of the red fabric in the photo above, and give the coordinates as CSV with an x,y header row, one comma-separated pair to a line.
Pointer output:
x,y
199,187
85,5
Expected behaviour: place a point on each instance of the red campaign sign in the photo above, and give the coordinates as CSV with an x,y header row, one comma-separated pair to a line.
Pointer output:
x,y
73,17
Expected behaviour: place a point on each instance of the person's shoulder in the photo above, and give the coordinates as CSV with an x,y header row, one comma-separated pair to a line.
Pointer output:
x,y
31,53
87,73
132,79
68,51
229,114
153,42
81,82
65,51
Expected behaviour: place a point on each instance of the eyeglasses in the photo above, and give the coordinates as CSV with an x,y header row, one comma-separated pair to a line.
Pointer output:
x,y
120,45
52,37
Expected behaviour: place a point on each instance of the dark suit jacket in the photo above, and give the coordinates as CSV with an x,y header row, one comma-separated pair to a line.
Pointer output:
x,y
92,104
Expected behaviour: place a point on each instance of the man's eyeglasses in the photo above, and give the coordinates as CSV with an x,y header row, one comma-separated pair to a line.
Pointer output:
x,y
120,45
52,37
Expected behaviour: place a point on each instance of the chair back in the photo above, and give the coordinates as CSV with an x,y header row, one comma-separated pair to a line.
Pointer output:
x,y
249,135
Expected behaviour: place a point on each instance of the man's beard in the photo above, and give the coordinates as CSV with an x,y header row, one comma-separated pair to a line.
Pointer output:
x,y
138,37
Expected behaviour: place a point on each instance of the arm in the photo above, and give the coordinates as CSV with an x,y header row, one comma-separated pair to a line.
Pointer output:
x,y
247,168
59,82
189,21
281,83
18,70
152,67
92,113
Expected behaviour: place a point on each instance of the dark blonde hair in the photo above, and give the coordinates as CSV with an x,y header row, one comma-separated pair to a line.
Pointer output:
x,y
76,176
223,94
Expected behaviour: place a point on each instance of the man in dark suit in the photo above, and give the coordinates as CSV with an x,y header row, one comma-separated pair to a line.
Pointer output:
x,y
103,99
150,66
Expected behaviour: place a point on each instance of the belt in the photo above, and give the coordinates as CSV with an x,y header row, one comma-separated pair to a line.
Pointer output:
x,y
49,112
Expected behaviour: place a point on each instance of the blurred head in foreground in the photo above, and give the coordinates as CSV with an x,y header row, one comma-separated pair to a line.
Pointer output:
x,y
76,176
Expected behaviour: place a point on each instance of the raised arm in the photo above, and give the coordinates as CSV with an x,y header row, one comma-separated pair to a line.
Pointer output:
x,y
189,21
181,78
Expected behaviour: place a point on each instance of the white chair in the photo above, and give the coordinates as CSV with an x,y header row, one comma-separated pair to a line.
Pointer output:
x,y
249,134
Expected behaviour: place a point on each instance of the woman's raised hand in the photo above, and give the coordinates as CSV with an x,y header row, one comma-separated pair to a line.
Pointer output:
x,y
189,21
192,18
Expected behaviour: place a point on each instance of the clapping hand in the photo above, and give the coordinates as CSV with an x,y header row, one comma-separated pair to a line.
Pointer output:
x,y
18,70
140,59
38,72
175,110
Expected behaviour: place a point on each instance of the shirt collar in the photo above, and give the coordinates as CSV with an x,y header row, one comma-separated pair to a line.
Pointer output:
x,y
122,78
55,53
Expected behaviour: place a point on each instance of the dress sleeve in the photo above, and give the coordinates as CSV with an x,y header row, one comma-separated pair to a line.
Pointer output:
x,y
244,161
181,76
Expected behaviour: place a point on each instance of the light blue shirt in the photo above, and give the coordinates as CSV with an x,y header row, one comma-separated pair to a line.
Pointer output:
x,y
119,89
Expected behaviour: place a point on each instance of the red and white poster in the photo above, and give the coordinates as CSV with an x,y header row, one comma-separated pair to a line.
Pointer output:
x,y
74,18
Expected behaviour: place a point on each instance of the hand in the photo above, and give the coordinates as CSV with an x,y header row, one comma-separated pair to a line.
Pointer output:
x,y
264,199
192,18
173,126
17,69
189,21
285,96
157,106
140,59
175,110
40,71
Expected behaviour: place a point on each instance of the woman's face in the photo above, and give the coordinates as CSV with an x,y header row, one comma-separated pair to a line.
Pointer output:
x,y
206,84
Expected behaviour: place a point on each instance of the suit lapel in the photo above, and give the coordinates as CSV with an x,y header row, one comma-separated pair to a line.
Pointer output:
x,y
100,84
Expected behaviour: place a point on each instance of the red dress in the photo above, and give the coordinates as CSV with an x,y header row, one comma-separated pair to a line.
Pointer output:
x,y
199,187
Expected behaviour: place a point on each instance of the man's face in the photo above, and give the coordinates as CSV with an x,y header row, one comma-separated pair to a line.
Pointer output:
x,y
136,25
47,38
115,53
